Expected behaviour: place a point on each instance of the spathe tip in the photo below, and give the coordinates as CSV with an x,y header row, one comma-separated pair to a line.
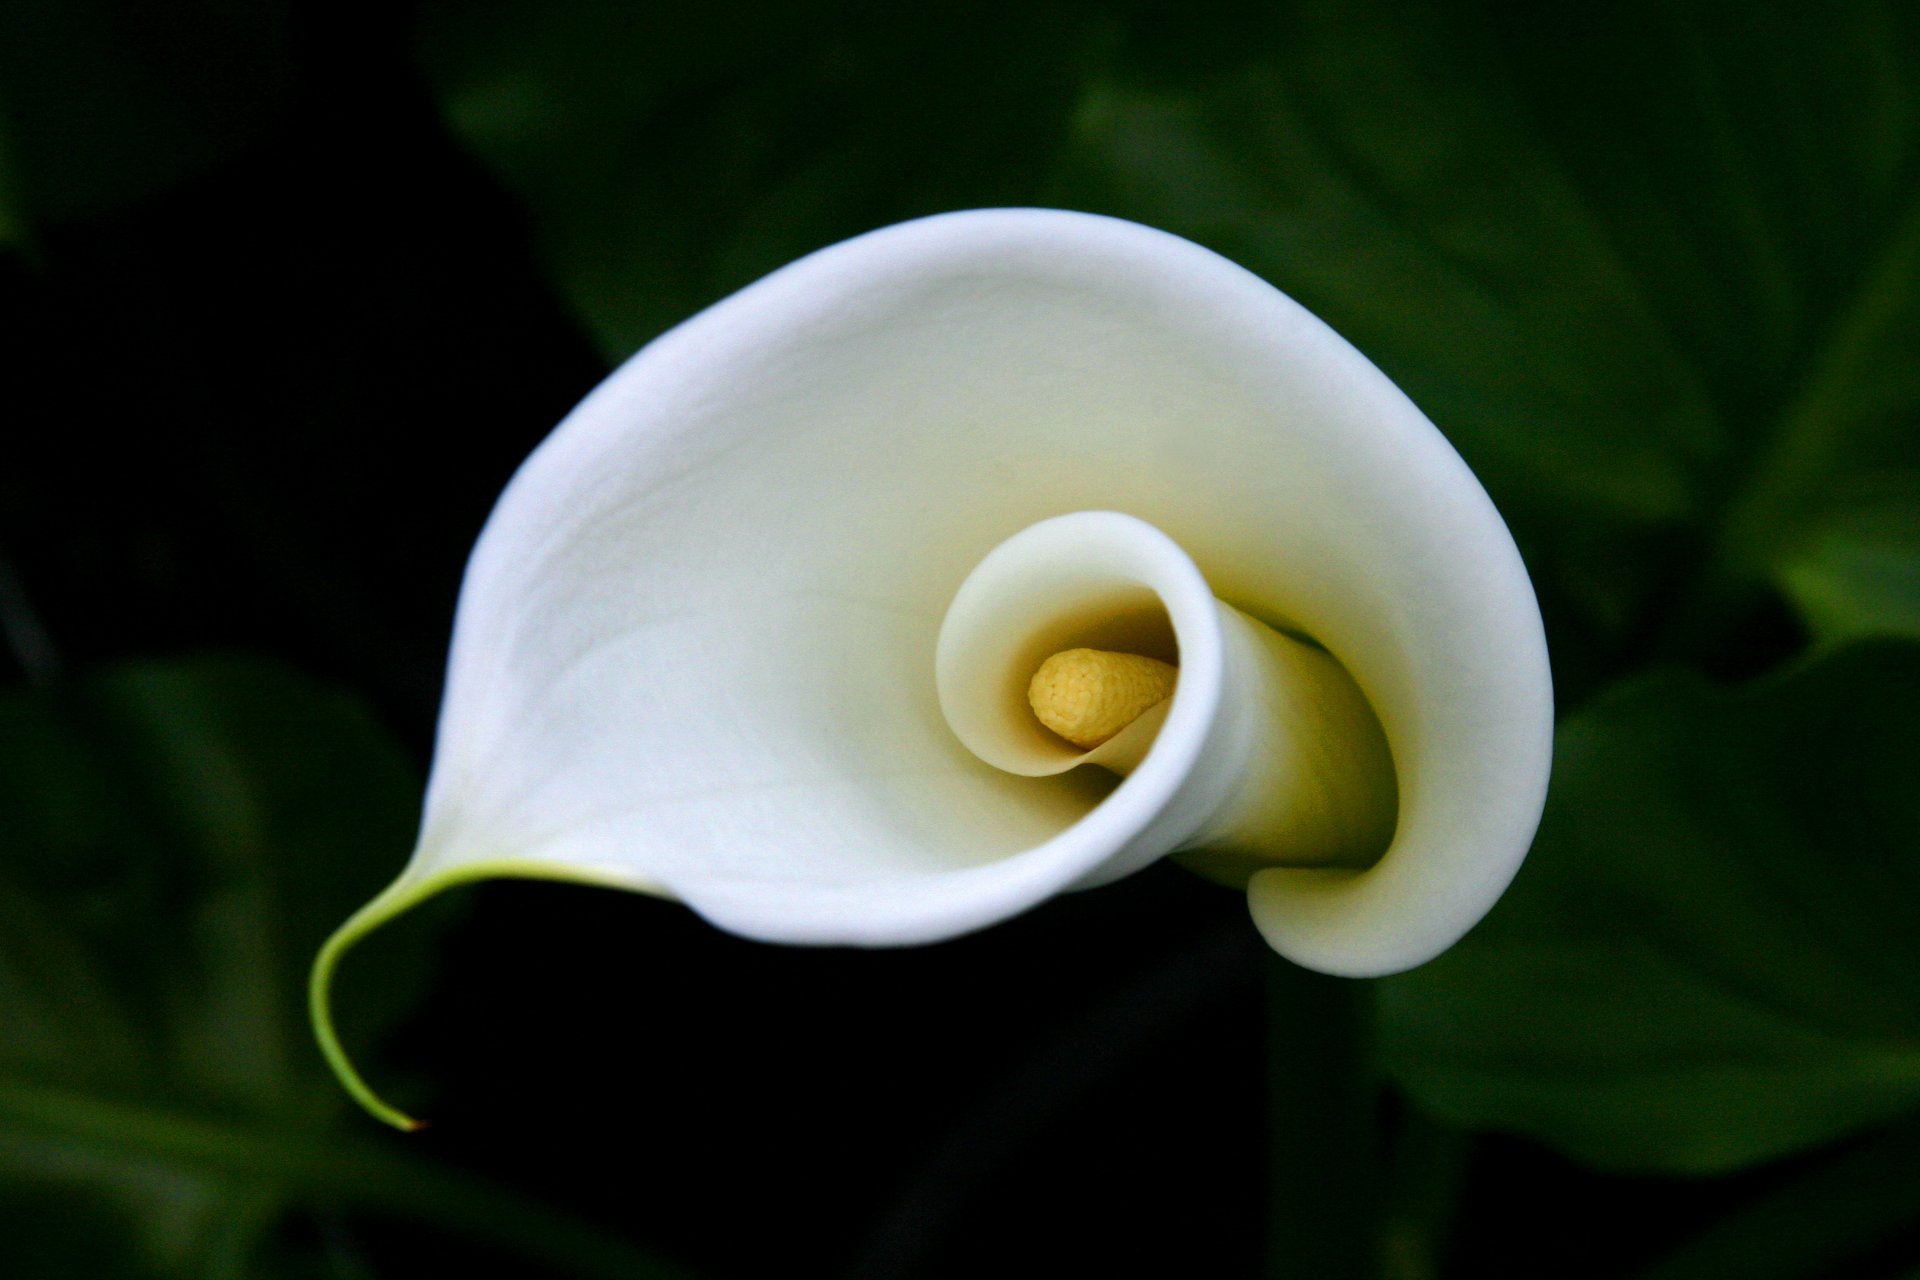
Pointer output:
x,y
320,1002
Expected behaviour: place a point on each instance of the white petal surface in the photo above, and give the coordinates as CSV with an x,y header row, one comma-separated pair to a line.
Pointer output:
x,y
694,651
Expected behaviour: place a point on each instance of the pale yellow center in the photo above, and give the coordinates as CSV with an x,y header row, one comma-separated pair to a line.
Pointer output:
x,y
1088,695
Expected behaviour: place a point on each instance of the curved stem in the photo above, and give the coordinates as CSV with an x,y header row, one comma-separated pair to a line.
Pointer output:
x,y
397,899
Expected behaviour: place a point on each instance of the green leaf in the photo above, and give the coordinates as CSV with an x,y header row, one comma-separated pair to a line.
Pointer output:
x,y
1322,1214
1858,572
1654,268
175,841
1377,162
671,156
1842,1210
1709,958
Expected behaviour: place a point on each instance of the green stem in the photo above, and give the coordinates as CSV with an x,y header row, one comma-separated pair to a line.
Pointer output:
x,y
1425,1179
1322,1211
395,900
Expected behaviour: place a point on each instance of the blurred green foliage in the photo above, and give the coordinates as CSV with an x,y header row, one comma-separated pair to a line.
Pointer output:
x,y
1653,267
671,155
176,840
1711,958
1857,573
1650,266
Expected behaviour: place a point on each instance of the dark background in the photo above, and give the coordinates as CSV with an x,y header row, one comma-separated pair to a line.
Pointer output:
x,y
281,316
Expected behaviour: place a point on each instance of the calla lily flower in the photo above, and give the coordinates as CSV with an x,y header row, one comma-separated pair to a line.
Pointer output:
x,y
755,628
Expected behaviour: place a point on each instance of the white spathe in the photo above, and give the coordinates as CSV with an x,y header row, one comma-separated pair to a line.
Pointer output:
x,y
694,648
